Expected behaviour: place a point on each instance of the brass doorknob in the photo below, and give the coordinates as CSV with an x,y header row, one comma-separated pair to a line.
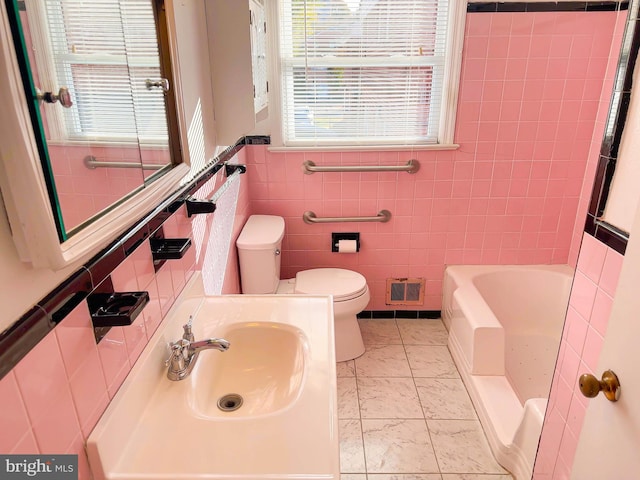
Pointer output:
x,y
590,386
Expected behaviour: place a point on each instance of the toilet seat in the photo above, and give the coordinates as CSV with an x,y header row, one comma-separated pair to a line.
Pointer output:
x,y
343,285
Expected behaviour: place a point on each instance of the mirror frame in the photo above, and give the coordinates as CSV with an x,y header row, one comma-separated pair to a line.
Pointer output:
x,y
23,185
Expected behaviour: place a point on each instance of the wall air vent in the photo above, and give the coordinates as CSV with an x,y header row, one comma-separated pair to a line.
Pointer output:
x,y
405,291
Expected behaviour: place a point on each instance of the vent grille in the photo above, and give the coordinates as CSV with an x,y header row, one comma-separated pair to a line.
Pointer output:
x,y
405,291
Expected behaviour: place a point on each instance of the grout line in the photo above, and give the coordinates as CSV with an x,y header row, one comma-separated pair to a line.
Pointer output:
x,y
364,453
404,345
424,417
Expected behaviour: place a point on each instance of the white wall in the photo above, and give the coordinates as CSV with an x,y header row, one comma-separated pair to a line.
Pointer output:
x,y
194,72
624,193
20,285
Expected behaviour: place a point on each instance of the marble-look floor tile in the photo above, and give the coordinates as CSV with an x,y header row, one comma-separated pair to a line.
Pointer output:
x,y
475,476
353,476
348,406
383,361
405,476
398,446
388,398
379,332
445,399
422,332
461,447
351,447
346,369
431,361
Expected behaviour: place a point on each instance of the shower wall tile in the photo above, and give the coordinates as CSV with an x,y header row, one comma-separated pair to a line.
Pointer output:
x,y
601,311
611,272
530,94
583,294
575,329
589,309
592,258
599,105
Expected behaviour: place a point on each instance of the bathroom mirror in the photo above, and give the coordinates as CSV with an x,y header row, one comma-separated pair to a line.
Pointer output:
x,y
143,107
100,100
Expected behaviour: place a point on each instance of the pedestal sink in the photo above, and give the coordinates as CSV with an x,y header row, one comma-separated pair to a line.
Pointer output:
x,y
281,363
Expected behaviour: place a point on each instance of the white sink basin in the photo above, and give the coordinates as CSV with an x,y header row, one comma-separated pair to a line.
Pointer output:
x,y
265,366
281,362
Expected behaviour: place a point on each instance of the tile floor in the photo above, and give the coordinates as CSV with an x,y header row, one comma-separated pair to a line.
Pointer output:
x,y
404,413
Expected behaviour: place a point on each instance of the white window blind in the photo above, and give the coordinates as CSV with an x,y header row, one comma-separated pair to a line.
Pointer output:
x,y
362,71
103,51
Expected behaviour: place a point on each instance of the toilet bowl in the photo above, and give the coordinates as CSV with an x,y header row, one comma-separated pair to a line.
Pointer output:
x,y
259,246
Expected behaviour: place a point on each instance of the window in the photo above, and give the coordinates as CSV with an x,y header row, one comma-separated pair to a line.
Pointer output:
x,y
368,71
103,51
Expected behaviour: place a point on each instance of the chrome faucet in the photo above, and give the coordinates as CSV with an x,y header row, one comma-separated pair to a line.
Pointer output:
x,y
184,352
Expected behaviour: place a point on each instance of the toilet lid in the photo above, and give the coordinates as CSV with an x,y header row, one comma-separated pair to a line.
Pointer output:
x,y
342,284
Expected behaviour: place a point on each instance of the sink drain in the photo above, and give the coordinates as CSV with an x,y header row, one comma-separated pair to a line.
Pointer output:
x,y
230,402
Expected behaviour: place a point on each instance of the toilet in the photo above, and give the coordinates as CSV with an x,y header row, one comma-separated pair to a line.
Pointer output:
x,y
259,246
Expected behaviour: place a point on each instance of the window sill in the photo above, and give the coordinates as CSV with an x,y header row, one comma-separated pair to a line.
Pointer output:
x,y
347,148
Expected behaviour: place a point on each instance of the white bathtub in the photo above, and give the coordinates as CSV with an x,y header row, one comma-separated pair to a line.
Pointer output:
x,y
505,325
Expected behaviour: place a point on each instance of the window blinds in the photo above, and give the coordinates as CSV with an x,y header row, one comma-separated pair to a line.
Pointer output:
x,y
362,71
103,51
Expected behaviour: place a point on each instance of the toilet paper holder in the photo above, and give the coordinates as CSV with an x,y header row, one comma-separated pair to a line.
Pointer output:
x,y
337,236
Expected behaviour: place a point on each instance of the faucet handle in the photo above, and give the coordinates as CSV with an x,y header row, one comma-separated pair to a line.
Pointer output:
x,y
176,350
172,348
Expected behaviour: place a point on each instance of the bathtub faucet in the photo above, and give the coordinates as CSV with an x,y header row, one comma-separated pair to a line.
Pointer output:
x,y
185,351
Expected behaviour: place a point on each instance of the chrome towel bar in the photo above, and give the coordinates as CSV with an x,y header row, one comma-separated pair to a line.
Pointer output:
x,y
412,166
92,163
225,186
208,205
310,217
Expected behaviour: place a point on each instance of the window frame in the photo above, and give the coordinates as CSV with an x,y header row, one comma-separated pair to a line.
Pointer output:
x,y
449,97
59,131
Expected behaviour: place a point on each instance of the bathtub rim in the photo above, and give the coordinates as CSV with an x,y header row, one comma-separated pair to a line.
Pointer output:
x,y
507,454
501,430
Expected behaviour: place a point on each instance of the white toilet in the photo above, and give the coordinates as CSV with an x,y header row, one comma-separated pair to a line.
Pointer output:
x,y
259,246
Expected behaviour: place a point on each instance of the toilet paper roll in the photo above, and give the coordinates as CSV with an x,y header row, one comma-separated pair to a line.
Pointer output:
x,y
347,246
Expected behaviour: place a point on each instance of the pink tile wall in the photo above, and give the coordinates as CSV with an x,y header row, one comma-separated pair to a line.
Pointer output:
x,y
598,269
55,396
530,90
596,141
507,196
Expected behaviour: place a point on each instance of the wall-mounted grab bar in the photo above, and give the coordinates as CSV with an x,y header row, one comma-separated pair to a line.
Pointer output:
x,y
92,163
412,166
310,217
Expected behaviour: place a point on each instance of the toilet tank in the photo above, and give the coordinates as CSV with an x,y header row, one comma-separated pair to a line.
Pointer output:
x,y
259,245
